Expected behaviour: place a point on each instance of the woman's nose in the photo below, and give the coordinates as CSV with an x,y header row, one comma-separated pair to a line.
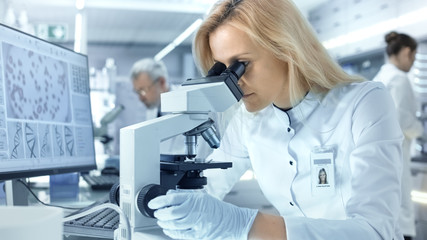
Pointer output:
x,y
241,81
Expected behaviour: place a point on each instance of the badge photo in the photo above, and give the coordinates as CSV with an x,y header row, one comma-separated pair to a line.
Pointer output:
x,y
322,172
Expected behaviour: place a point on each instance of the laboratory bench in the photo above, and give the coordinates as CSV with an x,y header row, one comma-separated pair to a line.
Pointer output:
x,y
86,196
245,189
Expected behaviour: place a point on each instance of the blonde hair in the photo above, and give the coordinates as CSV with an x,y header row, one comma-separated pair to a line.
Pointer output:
x,y
279,27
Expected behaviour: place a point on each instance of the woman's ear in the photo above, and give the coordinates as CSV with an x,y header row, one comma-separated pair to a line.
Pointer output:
x,y
405,51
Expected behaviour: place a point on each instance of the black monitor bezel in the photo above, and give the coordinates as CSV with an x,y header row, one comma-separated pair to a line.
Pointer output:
x,y
10,175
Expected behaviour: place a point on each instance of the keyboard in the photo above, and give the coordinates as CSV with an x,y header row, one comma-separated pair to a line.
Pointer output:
x,y
100,224
101,182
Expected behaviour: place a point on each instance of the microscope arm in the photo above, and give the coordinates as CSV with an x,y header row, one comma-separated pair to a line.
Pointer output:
x,y
140,157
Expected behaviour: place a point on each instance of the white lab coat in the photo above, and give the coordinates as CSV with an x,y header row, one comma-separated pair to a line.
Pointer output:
x,y
400,88
359,122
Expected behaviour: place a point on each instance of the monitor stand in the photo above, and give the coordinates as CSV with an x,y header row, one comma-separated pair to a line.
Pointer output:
x,y
16,193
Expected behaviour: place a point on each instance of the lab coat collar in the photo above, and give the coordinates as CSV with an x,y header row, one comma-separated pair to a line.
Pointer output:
x,y
289,117
391,67
388,73
300,111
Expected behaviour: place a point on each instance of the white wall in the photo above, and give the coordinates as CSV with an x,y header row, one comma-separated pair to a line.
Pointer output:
x,y
2,9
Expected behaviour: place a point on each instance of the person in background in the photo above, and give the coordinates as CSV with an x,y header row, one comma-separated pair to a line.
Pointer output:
x,y
150,79
300,111
401,50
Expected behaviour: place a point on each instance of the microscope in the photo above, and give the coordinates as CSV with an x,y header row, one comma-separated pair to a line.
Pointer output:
x,y
144,172
101,132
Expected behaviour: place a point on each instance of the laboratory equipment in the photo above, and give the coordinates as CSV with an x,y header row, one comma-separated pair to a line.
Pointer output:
x,y
45,111
102,132
110,173
144,173
64,186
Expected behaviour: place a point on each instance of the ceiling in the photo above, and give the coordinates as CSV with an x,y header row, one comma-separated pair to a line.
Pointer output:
x,y
122,21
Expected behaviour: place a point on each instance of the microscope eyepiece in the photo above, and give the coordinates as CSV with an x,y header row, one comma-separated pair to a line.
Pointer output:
x,y
237,68
216,69
230,76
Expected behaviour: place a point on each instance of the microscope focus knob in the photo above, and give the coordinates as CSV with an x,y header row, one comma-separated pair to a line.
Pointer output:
x,y
115,194
147,193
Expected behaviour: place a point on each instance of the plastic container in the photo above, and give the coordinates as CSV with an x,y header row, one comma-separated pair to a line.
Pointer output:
x,y
64,186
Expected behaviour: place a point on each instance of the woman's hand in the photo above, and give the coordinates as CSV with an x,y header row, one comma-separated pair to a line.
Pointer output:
x,y
194,214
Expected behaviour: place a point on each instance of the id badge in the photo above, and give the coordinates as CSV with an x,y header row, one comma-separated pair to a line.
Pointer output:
x,y
322,171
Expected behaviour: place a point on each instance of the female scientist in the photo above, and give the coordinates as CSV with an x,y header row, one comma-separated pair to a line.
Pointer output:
x,y
323,177
401,50
300,112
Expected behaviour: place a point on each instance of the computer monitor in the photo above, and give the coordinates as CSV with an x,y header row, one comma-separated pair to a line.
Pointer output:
x,y
45,112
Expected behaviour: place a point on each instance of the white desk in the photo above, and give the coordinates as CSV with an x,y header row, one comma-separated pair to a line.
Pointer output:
x,y
86,197
244,194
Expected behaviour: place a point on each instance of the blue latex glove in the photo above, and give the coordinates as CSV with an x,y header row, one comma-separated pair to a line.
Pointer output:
x,y
194,214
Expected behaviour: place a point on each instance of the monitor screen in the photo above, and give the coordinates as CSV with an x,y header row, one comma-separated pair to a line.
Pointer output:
x,y
45,113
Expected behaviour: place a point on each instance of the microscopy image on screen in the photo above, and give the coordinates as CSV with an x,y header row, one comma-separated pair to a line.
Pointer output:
x,y
69,141
84,136
81,110
3,156
1,82
3,141
16,140
45,139
80,80
36,85
45,112
31,140
58,142
2,118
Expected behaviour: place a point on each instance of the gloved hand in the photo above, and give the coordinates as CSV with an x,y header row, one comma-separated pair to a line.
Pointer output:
x,y
194,214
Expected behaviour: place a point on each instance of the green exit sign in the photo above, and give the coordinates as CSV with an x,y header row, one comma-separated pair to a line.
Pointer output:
x,y
52,32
